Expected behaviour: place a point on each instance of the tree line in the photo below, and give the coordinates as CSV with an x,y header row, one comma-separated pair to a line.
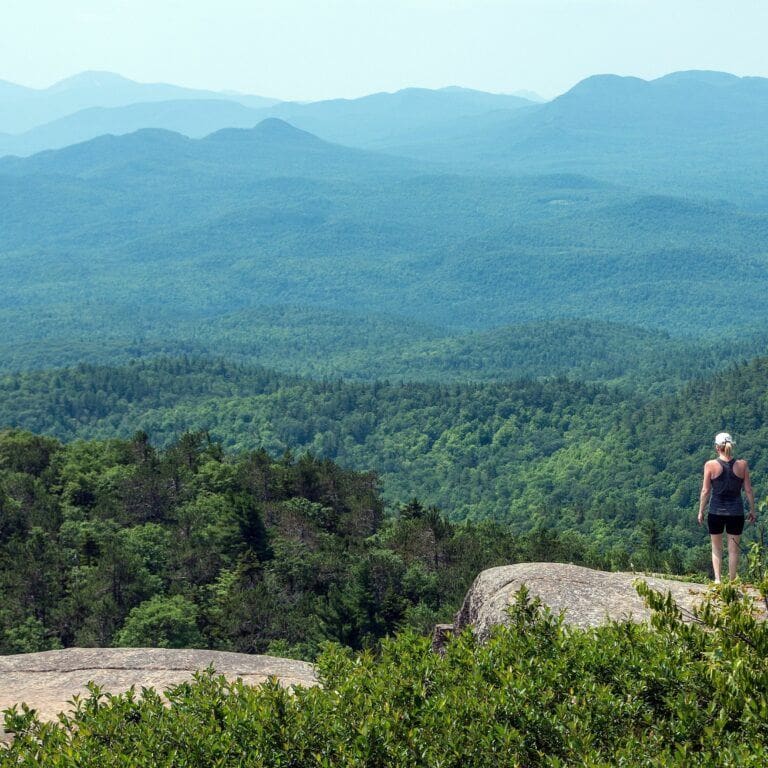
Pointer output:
x,y
616,468
116,542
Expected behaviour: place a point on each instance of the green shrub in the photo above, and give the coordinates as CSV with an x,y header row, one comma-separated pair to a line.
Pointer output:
x,y
538,693
162,622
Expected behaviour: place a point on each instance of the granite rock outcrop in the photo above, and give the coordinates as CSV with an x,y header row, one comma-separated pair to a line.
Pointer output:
x,y
47,681
586,597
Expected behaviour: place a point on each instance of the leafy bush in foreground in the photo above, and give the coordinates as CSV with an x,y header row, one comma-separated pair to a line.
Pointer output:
x,y
538,693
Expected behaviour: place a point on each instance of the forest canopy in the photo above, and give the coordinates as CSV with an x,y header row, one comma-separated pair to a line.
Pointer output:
x,y
116,543
614,466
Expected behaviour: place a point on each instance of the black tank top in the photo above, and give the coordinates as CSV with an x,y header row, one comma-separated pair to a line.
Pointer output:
x,y
726,491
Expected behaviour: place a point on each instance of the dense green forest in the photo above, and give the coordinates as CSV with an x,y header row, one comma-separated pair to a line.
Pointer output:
x,y
332,344
115,543
613,466
264,393
194,507
153,240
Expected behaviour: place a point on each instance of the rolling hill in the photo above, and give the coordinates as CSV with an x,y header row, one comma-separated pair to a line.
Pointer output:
x,y
191,117
381,118
693,133
554,453
153,229
273,148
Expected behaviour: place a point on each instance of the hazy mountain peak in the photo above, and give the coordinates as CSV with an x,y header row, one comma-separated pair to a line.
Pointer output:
x,y
606,82
521,94
90,79
710,77
155,139
702,100
459,89
157,135
529,95
270,128
274,126
96,89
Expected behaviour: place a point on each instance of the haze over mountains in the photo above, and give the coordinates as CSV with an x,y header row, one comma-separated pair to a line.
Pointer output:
x,y
699,134
315,365
93,104
622,201
24,108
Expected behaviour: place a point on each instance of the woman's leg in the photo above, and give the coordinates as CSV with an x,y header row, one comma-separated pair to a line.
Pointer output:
x,y
717,555
733,555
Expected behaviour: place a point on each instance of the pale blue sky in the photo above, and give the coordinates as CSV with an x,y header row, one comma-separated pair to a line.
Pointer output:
x,y
303,49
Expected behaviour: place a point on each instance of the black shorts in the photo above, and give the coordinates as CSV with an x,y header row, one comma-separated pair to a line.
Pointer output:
x,y
733,524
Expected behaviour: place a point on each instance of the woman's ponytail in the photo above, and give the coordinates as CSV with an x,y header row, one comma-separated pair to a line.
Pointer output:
x,y
724,444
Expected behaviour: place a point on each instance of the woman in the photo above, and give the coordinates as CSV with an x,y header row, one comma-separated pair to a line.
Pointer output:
x,y
724,478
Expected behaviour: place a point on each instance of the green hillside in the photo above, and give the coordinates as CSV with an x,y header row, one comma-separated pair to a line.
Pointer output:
x,y
583,350
115,543
571,456
111,239
365,347
538,693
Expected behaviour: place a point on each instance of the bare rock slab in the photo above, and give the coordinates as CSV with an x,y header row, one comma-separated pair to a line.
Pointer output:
x,y
587,597
47,680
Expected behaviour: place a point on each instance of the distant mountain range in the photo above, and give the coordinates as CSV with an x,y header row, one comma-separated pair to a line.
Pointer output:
x,y
113,105
271,148
701,134
617,202
22,109
191,117
174,230
382,120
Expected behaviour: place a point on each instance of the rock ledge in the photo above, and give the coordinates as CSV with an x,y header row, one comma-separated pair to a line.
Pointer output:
x,y
587,597
48,680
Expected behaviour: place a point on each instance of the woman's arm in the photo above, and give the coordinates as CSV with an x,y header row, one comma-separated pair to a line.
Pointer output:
x,y
706,490
750,494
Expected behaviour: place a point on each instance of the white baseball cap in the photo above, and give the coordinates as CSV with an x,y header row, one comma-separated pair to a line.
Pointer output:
x,y
721,438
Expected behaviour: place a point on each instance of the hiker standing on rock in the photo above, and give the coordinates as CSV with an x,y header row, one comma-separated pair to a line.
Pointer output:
x,y
724,478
